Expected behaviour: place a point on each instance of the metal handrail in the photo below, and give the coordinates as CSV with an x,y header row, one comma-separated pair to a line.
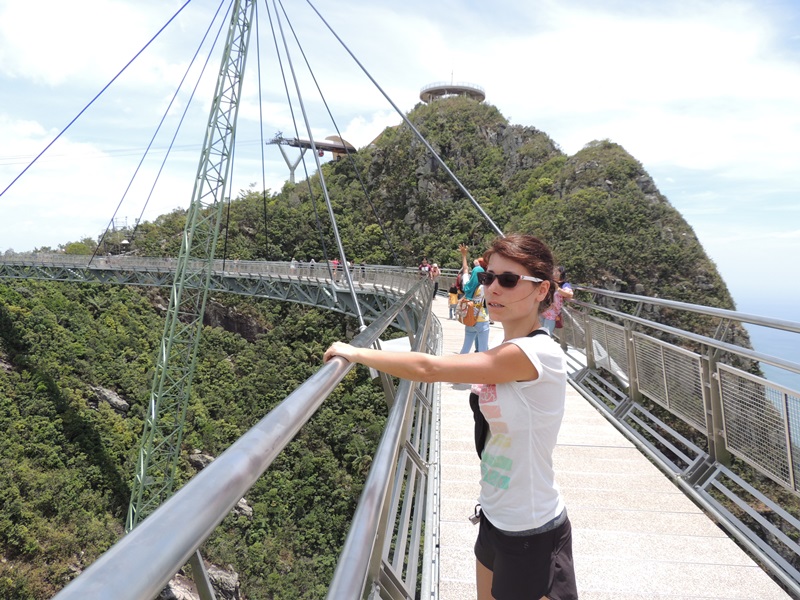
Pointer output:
x,y
181,525
359,547
734,410
710,311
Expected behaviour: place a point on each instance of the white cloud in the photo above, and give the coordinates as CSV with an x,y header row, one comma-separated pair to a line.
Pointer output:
x,y
68,42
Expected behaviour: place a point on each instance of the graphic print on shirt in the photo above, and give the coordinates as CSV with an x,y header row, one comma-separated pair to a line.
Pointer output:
x,y
495,467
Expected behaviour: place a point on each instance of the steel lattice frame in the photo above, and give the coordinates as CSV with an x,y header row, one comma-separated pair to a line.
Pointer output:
x,y
163,430
377,289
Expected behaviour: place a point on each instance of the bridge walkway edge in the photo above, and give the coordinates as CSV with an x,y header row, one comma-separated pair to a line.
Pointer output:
x,y
636,536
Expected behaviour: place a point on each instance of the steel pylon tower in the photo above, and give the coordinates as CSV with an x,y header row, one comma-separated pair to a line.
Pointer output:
x,y
163,429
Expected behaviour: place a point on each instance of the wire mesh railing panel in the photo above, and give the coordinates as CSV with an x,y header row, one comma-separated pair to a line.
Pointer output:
x,y
756,424
649,357
573,333
608,341
683,375
615,339
672,377
599,346
792,403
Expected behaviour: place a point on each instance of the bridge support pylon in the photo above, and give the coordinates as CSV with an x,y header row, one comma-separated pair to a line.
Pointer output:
x,y
160,445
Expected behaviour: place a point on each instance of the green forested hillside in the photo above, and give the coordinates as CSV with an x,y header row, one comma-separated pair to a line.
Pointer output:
x,y
67,467
599,209
68,458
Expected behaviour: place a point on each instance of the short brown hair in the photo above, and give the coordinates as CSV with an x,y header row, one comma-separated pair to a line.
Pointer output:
x,y
530,252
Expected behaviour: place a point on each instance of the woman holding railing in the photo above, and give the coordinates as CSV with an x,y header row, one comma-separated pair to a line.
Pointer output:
x,y
524,545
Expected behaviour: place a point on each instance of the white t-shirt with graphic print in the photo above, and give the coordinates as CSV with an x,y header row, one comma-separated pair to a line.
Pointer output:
x,y
518,488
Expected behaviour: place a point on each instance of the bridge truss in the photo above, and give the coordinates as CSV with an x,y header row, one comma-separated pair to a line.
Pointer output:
x,y
376,287
163,429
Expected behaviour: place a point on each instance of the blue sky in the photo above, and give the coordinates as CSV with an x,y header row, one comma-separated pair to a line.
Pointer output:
x,y
704,94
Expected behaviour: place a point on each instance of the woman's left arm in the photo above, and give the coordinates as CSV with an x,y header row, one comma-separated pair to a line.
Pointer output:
x,y
502,364
566,291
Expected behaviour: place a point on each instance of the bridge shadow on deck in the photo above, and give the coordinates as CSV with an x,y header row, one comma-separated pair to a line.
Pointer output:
x,y
636,535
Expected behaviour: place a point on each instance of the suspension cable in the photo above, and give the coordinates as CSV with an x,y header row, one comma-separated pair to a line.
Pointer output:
x,y
311,196
321,175
414,129
339,133
177,129
261,132
83,110
155,134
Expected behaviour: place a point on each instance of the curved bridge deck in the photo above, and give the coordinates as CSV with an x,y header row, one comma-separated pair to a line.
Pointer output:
x,y
636,535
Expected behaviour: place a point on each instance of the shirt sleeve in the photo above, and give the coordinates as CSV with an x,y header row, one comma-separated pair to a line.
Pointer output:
x,y
545,355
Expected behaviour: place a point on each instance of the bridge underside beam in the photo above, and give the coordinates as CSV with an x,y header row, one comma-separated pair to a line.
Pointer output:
x,y
373,299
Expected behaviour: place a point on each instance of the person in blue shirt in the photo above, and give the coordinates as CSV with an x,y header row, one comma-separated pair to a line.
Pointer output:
x,y
473,290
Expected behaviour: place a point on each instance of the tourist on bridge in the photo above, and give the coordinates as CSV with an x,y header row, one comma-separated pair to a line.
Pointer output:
x,y
434,275
479,332
424,267
552,316
524,544
452,301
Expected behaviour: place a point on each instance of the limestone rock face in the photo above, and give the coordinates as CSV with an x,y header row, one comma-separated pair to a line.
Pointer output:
x,y
117,402
200,460
230,319
225,584
243,509
179,588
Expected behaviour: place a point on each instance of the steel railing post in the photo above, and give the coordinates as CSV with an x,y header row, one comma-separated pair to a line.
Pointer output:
x,y
717,447
633,374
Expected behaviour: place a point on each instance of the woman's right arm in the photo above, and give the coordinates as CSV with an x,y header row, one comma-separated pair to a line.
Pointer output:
x,y
502,364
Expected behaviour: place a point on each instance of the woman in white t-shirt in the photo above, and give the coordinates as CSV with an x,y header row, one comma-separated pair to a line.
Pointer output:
x,y
524,545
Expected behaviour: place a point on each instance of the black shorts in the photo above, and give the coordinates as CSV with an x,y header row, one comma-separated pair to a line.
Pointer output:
x,y
529,566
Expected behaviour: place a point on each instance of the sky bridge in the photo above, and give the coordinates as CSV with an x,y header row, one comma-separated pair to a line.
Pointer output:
x,y
644,525
670,456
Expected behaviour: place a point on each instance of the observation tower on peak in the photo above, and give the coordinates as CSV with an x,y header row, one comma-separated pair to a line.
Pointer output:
x,y
442,89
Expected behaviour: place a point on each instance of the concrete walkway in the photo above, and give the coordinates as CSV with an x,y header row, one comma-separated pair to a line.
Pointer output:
x,y
636,535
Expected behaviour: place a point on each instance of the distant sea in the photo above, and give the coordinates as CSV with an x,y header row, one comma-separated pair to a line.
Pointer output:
x,y
774,342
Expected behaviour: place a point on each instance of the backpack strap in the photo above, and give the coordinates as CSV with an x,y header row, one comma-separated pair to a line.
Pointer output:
x,y
481,425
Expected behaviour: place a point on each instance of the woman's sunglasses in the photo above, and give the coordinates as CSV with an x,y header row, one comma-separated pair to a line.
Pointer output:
x,y
506,280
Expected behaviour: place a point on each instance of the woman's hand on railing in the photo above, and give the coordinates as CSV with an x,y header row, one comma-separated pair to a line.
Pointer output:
x,y
346,351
